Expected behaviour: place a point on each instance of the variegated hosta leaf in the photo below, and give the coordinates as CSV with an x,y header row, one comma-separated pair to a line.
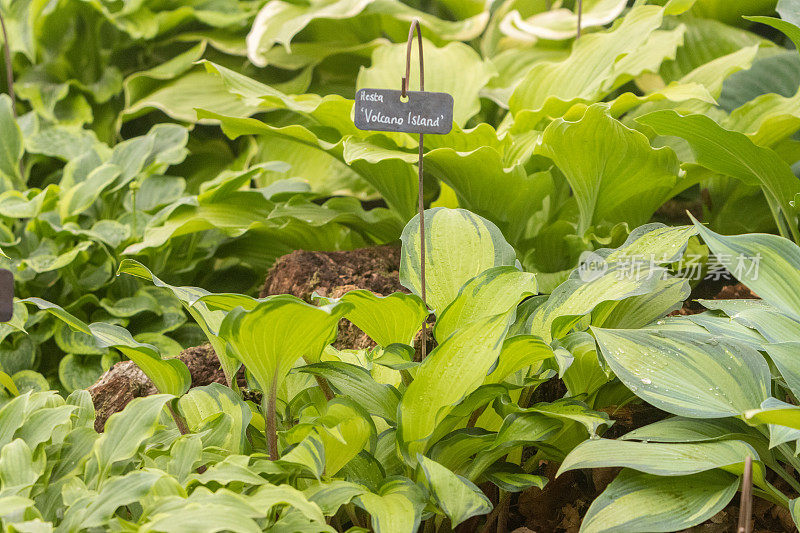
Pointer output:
x,y
459,245
769,265
494,291
687,374
765,322
636,502
662,459
168,375
386,319
786,356
273,335
584,290
458,498
663,244
202,403
443,380
209,319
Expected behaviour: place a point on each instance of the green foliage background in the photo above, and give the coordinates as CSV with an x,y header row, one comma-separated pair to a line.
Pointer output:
x,y
158,157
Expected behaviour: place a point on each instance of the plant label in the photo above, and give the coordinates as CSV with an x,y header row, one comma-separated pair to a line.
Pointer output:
x,y
6,295
421,112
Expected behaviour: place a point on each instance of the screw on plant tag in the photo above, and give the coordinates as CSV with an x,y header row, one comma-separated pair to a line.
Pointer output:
x,y
421,112
6,295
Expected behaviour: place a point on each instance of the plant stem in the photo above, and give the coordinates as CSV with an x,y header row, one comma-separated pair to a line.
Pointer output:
x,y
272,420
493,516
580,16
179,421
9,70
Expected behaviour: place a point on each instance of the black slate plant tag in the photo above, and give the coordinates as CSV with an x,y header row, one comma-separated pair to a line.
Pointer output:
x,y
6,295
422,112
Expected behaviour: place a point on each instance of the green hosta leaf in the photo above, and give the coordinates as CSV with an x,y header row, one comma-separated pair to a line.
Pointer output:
x,y
279,22
386,170
396,508
356,383
127,430
81,372
661,459
517,429
511,477
95,510
489,185
622,179
732,154
345,433
767,119
561,23
767,264
774,411
493,291
442,381
8,384
641,502
589,70
680,429
169,375
387,61
458,498
11,149
519,352
18,469
201,403
273,335
459,245
778,74
208,319
42,424
687,374
386,319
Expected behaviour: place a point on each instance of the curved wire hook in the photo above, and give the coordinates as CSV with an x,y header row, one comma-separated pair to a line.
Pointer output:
x,y
407,77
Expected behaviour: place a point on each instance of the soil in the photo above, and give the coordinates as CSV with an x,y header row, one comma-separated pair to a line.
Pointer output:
x,y
714,290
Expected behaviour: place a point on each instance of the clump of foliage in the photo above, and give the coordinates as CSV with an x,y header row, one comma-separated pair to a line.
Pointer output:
x,y
154,148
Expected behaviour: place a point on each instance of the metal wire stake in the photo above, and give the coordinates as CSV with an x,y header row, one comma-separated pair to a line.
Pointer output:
x,y
746,502
403,92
